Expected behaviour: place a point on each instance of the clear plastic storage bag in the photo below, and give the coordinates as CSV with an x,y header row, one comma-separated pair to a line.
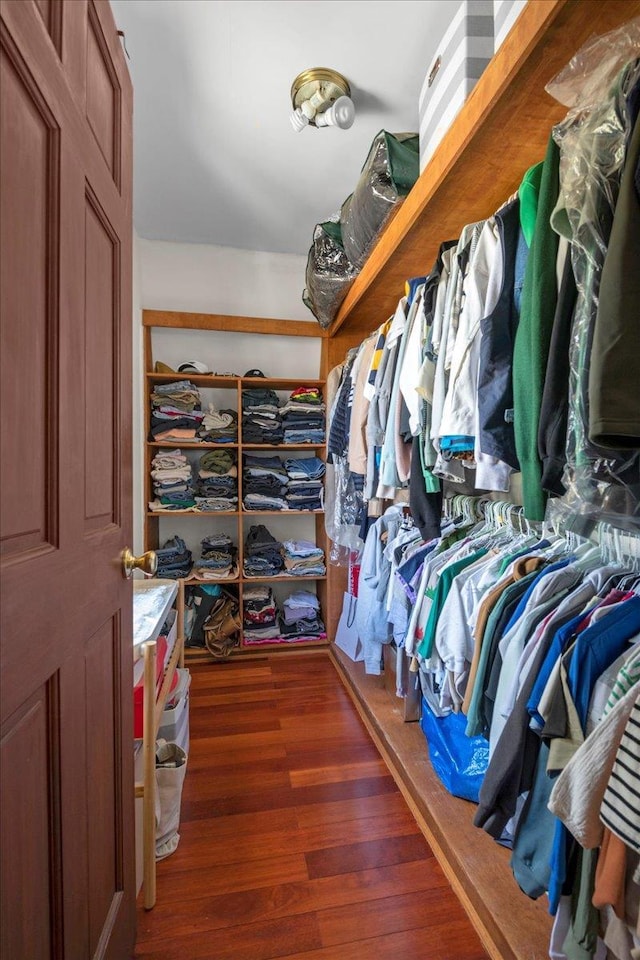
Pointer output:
x,y
329,272
390,170
596,86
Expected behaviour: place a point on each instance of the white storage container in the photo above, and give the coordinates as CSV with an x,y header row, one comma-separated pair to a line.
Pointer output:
x,y
175,720
505,14
465,51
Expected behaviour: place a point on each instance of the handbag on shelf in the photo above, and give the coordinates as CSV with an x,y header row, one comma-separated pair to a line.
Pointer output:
x,y
222,626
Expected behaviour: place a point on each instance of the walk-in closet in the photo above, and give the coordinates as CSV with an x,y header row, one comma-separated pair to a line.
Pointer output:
x,y
320,571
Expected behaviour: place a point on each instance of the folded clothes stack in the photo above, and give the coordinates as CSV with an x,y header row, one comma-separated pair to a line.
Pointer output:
x,y
261,420
260,615
301,617
172,482
264,483
219,426
217,481
303,416
176,415
304,487
262,553
174,559
302,558
217,560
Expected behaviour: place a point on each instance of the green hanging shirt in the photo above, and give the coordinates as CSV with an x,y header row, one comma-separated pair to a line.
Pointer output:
x,y
531,349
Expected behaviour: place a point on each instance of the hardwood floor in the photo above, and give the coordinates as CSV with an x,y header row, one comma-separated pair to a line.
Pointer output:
x,y
295,841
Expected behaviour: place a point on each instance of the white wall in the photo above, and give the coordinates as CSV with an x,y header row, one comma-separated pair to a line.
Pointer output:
x,y
199,278
208,279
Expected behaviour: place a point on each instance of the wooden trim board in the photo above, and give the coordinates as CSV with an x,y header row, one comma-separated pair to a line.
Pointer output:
x,y
218,321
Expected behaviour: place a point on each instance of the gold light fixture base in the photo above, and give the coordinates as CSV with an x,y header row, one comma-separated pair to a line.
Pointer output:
x,y
319,80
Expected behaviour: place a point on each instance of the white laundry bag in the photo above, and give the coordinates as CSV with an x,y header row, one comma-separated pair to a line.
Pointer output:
x,y
171,769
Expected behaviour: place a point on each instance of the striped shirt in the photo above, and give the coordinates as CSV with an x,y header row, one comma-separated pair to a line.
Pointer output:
x,y
370,385
620,810
628,675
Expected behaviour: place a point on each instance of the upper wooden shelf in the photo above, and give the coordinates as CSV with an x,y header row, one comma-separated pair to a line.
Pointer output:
x,y
218,321
501,131
199,379
280,383
217,380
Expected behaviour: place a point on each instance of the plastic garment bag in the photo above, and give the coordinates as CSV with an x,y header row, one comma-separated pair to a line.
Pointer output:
x,y
596,86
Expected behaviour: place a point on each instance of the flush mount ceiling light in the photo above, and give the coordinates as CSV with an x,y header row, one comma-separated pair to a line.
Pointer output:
x,y
321,98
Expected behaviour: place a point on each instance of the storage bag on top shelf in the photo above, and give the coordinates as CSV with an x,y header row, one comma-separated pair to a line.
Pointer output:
x,y
389,172
329,272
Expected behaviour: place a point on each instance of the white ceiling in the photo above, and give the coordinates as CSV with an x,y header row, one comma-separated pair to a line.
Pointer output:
x,y
216,160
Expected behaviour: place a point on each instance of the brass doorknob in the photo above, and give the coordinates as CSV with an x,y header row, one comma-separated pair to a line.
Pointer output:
x,y
148,563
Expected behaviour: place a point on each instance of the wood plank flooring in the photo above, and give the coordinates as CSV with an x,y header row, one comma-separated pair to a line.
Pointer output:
x,y
295,841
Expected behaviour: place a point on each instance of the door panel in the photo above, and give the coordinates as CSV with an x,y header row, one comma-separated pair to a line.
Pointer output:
x,y
65,645
29,225
103,96
27,825
105,857
51,13
102,281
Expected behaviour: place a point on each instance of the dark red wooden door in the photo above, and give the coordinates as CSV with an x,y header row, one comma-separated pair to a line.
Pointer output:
x,y
67,870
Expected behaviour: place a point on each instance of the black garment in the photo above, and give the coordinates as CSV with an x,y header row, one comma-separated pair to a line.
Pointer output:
x,y
262,553
266,485
204,602
256,396
432,281
305,627
338,440
405,427
159,425
258,538
614,412
495,384
495,659
554,409
426,508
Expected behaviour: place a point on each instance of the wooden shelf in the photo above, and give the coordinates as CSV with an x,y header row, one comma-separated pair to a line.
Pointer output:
x,y
194,581
284,446
213,519
218,380
210,380
188,581
193,513
280,579
500,132
233,513
235,324
200,655
281,513
193,446
280,642
280,383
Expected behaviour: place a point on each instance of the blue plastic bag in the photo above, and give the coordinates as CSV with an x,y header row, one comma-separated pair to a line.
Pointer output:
x,y
460,761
